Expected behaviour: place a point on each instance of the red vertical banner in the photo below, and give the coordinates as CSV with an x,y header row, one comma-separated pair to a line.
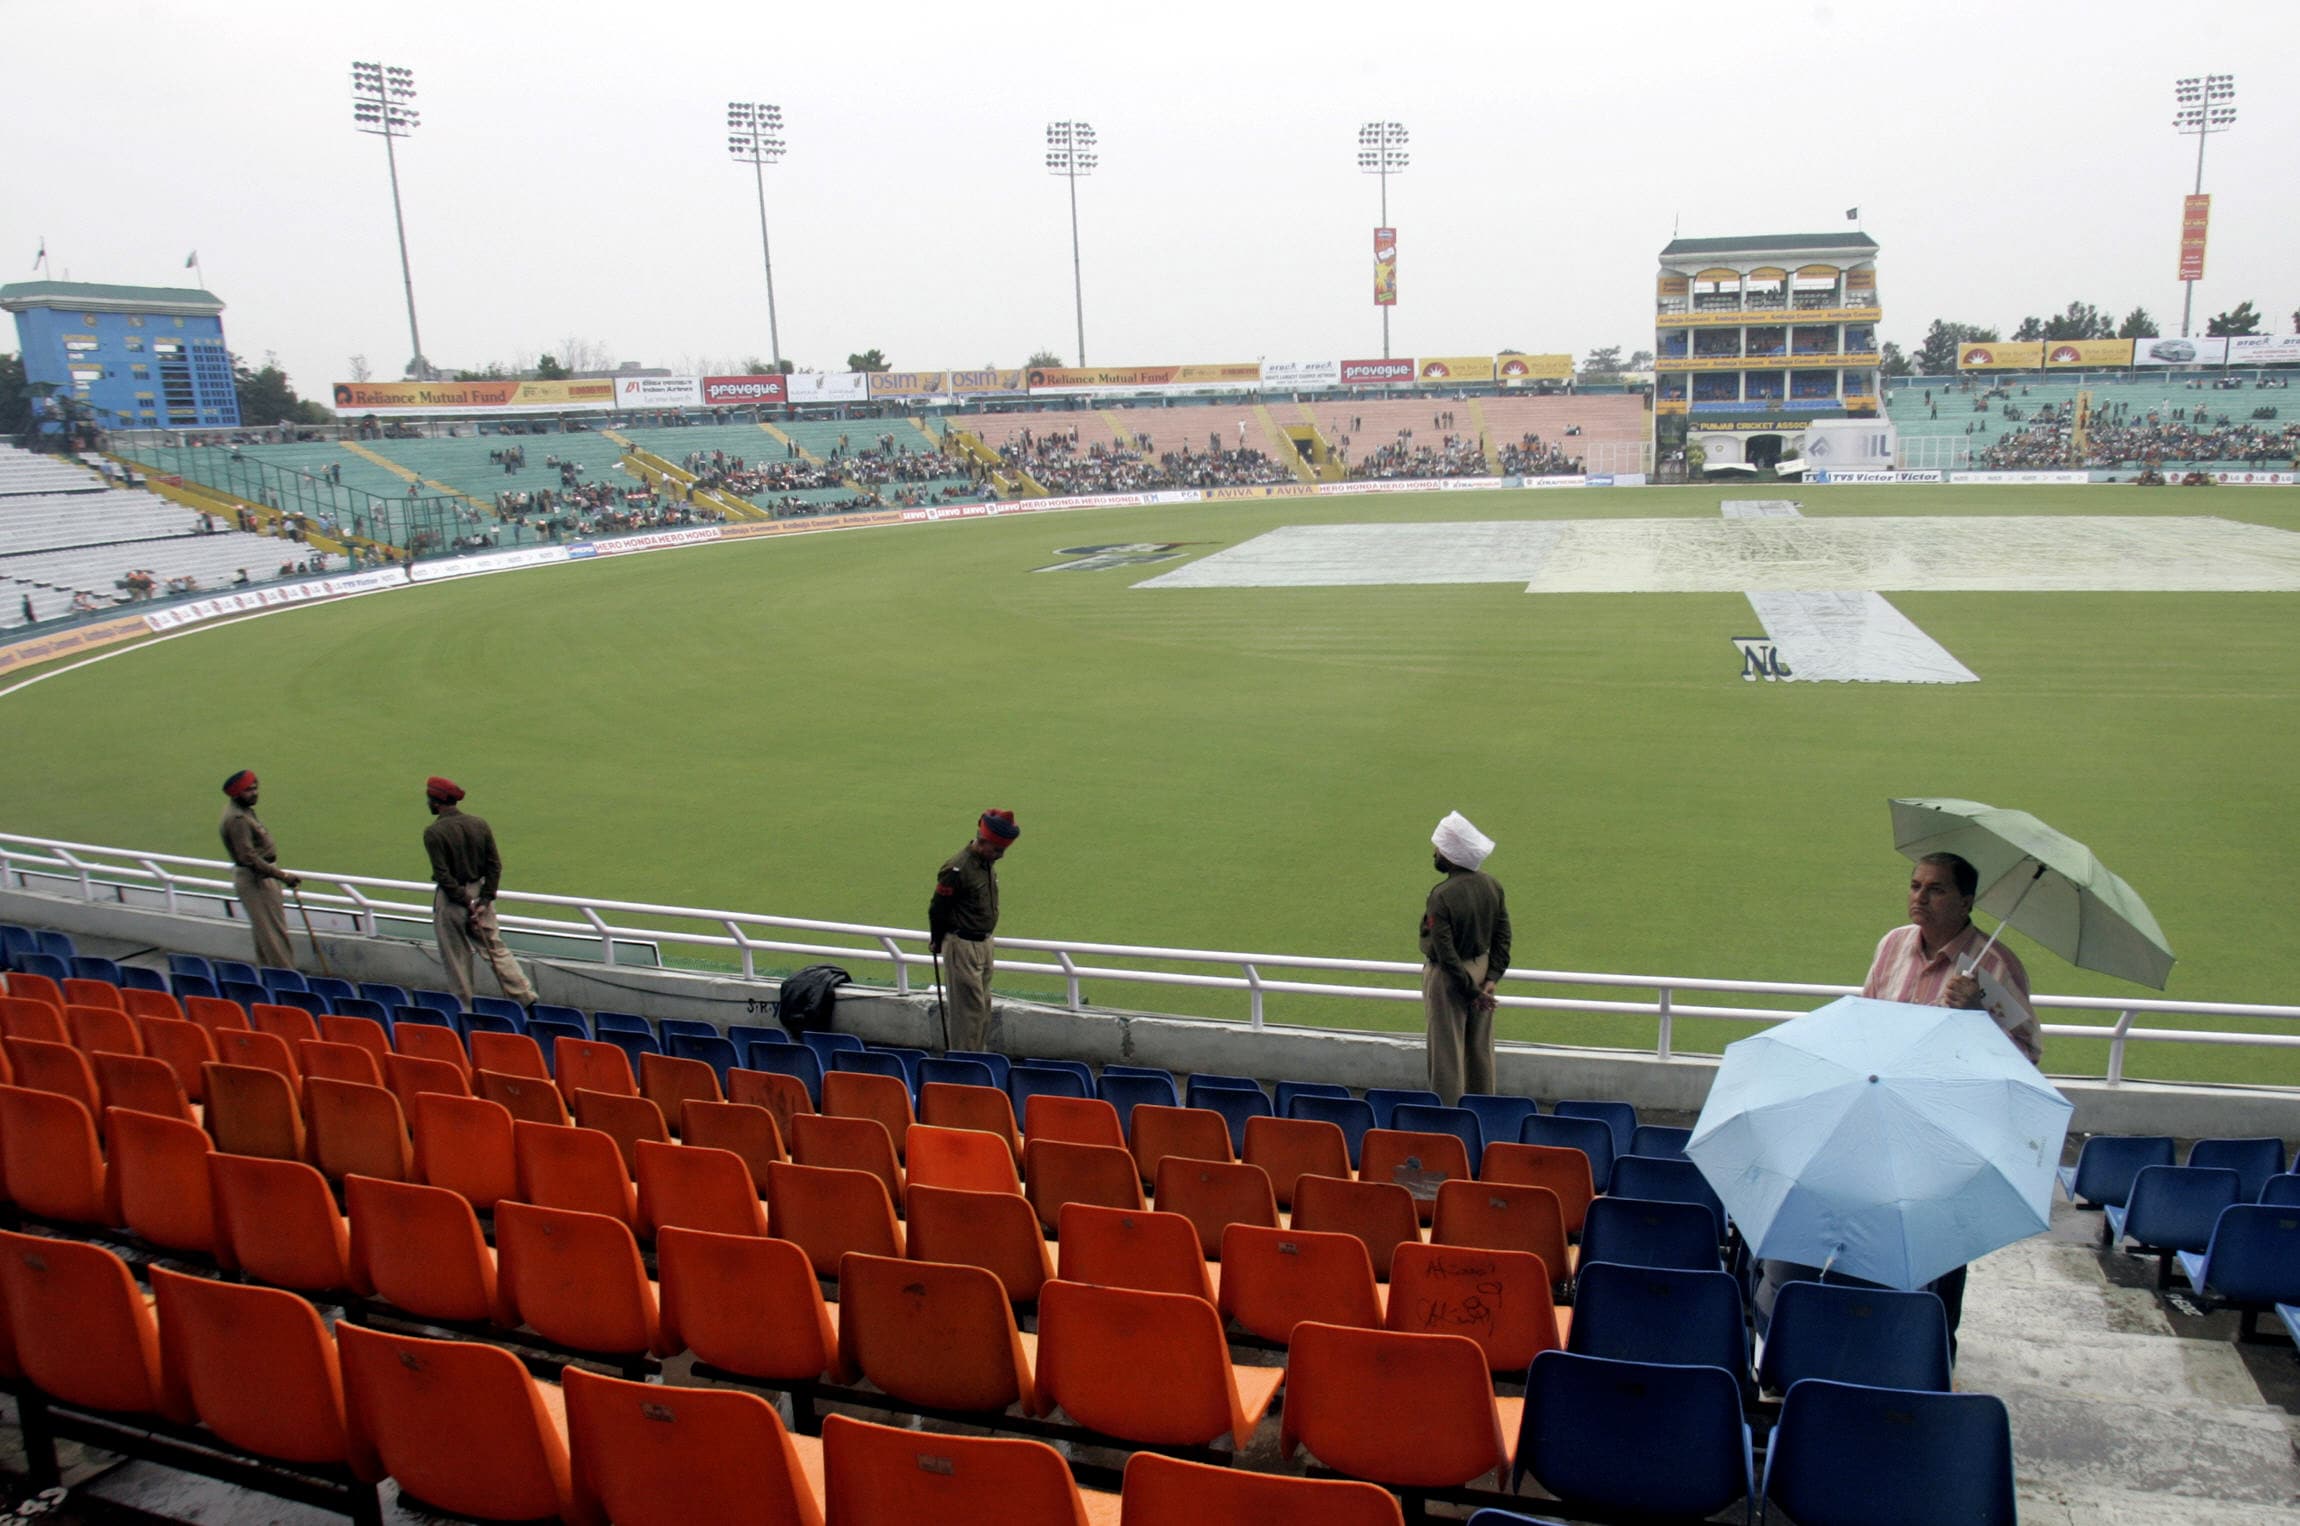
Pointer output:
x,y
2195,214
1385,267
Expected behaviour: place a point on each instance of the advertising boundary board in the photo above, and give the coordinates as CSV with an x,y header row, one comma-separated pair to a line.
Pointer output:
x,y
31,650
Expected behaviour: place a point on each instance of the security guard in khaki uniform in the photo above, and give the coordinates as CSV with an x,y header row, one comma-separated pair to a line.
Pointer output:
x,y
256,874
960,922
1465,948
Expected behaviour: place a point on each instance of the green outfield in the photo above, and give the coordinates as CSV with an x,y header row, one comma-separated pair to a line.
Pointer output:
x,y
808,725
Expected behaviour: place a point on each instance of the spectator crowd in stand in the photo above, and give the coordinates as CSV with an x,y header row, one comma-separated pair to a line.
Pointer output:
x,y
1058,463
2117,436
1530,457
1455,455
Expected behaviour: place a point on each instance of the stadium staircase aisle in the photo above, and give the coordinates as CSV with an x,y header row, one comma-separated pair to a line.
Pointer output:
x,y
1484,432
776,434
1010,483
409,474
1281,445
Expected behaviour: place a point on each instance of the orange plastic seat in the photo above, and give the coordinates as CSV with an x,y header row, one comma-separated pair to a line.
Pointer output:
x,y
1150,1368
859,1094
1562,1169
667,1081
357,1129
967,1159
944,1105
1292,1148
698,1188
745,1305
256,1364
50,1162
588,1065
410,1076
1198,1133
263,1051
337,1062
578,1169
277,1222
366,1032
79,991
435,1042
419,1249
141,1084
1409,1411
509,1054
784,1096
931,1334
290,1025
464,1144
1074,1120
142,1004
1119,1248
185,1046
847,1143
25,1017
827,1211
216,1014
1498,1298
1056,1172
884,1475
1213,1195
1170,1491
458,1424
252,1110
996,1231
576,1280
1415,1160
39,1065
523,1096
748,1131
1379,1213
159,1170
103,1030
82,1332
646,1455
626,1120
1504,1216
1273,1279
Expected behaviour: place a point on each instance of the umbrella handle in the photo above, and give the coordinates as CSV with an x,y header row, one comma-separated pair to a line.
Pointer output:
x,y
2005,921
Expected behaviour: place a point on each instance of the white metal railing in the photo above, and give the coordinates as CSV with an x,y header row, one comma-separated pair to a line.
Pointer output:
x,y
607,931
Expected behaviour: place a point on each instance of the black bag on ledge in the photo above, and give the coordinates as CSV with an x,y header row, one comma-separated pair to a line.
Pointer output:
x,y
808,998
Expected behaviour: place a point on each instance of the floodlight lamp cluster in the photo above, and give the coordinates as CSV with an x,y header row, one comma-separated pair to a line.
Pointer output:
x,y
755,131
2204,103
1070,148
379,93
1382,148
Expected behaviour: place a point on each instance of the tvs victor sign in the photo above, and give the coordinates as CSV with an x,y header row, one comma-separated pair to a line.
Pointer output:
x,y
1371,373
721,391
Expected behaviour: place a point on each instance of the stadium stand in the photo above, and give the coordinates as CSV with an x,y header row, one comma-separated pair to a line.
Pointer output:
x,y
2025,423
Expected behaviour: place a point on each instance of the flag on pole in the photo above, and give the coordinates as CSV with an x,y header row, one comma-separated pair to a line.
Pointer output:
x,y
42,257
1852,214
192,260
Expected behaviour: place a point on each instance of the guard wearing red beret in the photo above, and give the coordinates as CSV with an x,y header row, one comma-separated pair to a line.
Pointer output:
x,y
256,873
961,920
466,871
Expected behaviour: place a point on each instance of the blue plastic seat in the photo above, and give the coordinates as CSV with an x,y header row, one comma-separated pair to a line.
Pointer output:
x,y
1663,1180
275,979
1210,1079
330,989
874,1062
547,1031
190,964
713,1050
16,939
789,1060
490,1022
1077,1068
1235,1104
825,1043
1876,1336
621,1022
999,1064
310,1001
1384,1100
1287,1091
633,1045
1640,1439
1588,1135
2253,1161
2283,1189
744,1035
1460,1122
1497,1116
910,1058
1660,1314
235,969
1126,1093
940,1070
670,1027
1637,1232
1025,1081
503,1007
557,1014
138,977
360,1006
1660,1140
2252,1263
246,995
91,967
193,985
1891,1456
389,995
1620,1117
56,945
1137,1070
438,1001
49,965
2172,1209
419,1014
1352,1115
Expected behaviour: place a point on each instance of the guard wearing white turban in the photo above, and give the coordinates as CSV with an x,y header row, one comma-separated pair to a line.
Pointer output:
x,y
1465,949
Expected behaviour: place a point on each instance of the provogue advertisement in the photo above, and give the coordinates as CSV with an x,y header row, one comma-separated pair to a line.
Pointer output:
x,y
737,391
1375,373
2179,352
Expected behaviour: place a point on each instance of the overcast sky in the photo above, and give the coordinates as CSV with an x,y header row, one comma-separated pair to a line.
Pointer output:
x,y
570,177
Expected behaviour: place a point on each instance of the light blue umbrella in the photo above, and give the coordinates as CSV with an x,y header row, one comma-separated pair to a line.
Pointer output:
x,y
1884,1141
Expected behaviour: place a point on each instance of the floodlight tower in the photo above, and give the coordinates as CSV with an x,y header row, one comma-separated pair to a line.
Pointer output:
x,y
379,97
1382,152
2202,105
1070,154
755,136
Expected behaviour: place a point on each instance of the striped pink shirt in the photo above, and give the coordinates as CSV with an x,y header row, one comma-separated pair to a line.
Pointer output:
x,y
1902,972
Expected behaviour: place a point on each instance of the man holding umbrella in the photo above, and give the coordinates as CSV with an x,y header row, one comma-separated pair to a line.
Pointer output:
x,y
1924,963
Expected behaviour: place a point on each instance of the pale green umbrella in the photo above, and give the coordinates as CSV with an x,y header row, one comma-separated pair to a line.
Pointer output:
x,y
2043,882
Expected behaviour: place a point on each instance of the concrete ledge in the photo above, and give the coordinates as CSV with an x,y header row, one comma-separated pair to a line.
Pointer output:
x,y
1103,1035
